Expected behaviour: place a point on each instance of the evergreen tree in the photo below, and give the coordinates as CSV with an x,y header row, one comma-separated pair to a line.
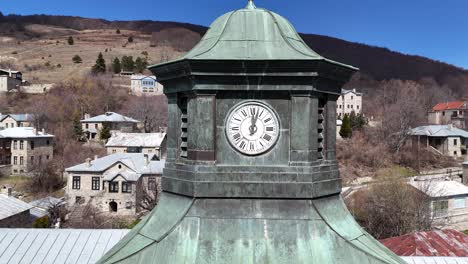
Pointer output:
x,y
77,130
116,67
77,59
130,39
117,31
127,63
105,133
140,65
70,40
346,131
100,66
357,121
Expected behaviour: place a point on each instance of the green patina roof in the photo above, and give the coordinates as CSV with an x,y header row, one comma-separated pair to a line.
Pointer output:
x,y
254,34
249,231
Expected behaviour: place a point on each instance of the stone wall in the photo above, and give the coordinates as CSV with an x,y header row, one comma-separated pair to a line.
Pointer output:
x,y
20,220
27,157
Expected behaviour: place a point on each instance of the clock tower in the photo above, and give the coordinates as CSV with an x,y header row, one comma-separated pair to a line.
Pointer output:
x,y
251,174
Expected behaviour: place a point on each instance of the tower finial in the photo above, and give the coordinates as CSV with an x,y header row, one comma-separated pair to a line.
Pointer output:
x,y
250,5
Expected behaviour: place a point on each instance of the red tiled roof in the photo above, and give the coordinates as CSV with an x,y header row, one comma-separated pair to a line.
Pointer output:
x,y
448,106
441,243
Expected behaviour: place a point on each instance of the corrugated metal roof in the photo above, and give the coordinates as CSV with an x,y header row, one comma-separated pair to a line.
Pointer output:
x,y
11,206
449,106
135,161
140,77
435,260
151,140
448,243
23,132
56,246
110,117
439,131
438,188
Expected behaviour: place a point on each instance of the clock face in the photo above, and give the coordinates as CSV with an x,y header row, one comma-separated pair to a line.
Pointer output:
x,y
252,128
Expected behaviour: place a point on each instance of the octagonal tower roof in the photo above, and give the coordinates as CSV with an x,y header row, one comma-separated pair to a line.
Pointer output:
x,y
253,34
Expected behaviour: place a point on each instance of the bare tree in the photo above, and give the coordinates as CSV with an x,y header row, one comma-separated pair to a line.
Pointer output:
x,y
148,189
45,178
151,110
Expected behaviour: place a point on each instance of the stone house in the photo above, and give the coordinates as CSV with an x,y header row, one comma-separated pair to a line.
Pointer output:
x,y
449,202
22,148
348,102
116,183
444,139
465,173
148,143
9,80
145,85
92,126
455,113
16,120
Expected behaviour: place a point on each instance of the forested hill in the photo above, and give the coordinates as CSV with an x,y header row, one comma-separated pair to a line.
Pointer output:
x,y
375,62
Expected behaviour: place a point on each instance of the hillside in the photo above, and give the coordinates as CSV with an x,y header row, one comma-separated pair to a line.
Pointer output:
x,y
39,35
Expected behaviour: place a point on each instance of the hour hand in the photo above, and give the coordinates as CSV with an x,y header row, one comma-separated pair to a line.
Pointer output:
x,y
253,127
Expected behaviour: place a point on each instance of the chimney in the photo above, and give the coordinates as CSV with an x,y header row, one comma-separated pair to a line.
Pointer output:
x,y
43,131
88,162
86,116
109,113
7,190
146,159
96,157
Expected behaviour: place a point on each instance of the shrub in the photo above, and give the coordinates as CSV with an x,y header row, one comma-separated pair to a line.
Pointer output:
x,y
77,59
70,40
117,31
130,39
42,222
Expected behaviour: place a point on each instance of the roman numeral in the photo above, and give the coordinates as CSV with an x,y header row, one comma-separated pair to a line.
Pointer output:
x,y
244,113
267,137
252,111
235,128
236,137
251,146
242,144
235,118
270,129
261,113
267,120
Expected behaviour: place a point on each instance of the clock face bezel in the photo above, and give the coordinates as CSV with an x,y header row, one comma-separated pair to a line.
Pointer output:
x,y
263,105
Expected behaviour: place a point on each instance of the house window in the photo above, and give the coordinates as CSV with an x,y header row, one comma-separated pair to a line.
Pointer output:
x,y
455,142
455,153
440,208
6,125
47,157
21,144
152,183
87,126
114,151
443,113
21,160
48,142
113,187
352,97
32,144
79,200
15,144
459,203
95,183
96,126
126,187
32,159
357,106
15,160
76,183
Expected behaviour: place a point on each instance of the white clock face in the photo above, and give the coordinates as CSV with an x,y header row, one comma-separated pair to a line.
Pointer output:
x,y
252,128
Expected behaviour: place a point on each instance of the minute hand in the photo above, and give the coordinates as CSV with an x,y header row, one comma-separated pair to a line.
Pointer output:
x,y
253,127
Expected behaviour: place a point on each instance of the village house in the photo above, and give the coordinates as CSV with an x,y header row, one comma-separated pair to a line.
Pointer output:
x,y
145,85
465,173
455,113
22,148
443,139
148,143
13,212
117,183
10,80
16,120
348,102
92,126
449,202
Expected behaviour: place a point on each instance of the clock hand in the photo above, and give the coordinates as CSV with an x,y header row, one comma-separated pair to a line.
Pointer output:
x,y
253,127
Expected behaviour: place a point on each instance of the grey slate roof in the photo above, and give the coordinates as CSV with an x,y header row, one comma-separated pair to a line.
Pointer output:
x,y
344,91
56,246
18,117
148,140
10,206
135,161
110,117
439,131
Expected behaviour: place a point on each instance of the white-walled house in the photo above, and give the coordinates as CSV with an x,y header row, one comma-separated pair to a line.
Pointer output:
x,y
16,120
10,80
92,126
449,202
446,139
145,85
115,183
455,113
348,102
